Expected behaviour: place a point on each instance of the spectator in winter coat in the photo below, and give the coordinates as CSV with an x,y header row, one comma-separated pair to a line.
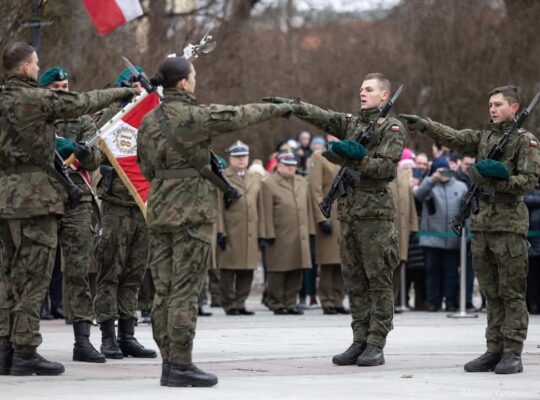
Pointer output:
x,y
442,195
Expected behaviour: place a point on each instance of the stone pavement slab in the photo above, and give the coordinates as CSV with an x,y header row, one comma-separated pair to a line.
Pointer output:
x,y
288,357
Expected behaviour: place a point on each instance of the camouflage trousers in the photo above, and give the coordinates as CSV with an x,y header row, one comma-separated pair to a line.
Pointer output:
x,y
331,286
27,252
121,256
369,254
235,287
77,238
501,263
179,262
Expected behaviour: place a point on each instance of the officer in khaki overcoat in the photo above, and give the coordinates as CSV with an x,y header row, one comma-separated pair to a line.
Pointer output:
x,y
321,174
288,217
239,228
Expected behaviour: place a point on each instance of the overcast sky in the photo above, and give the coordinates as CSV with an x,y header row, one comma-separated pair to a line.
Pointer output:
x,y
345,5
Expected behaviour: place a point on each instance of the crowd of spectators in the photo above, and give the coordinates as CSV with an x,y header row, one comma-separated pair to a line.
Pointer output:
x,y
429,191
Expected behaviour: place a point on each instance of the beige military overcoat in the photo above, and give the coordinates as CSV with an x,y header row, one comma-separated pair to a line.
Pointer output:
x,y
406,218
288,217
321,174
241,223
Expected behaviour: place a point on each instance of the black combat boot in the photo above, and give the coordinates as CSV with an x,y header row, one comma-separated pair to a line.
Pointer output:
x,y
165,368
83,349
510,364
485,363
349,356
109,347
128,344
28,363
371,356
6,357
189,375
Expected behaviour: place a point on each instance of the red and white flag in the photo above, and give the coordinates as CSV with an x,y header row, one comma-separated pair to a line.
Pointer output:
x,y
118,140
107,15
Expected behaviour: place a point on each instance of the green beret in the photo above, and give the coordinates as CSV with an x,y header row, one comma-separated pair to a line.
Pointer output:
x,y
125,78
493,169
51,75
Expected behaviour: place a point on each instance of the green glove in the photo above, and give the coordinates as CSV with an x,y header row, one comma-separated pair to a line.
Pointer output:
x,y
414,122
333,157
65,146
493,169
476,177
348,149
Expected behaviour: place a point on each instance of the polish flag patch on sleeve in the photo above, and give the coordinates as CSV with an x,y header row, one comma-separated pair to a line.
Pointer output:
x,y
395,128
533,143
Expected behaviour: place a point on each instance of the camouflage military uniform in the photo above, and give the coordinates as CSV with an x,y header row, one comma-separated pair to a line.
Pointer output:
x,y
182,208
368,238
75,229
122,248
499,244
31,200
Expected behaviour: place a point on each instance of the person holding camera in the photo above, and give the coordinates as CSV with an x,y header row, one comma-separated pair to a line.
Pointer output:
x,y
442,195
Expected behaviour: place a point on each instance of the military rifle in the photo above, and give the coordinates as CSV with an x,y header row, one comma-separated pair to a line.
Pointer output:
x,y
344,179
470,205
75,193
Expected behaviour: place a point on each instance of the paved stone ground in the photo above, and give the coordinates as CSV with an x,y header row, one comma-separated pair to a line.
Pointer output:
x,y
288,357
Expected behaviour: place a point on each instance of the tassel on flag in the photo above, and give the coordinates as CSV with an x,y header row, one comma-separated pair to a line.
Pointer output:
x,y
107,15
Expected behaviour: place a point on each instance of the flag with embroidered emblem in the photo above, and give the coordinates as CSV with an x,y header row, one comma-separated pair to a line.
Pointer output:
x,y
118,141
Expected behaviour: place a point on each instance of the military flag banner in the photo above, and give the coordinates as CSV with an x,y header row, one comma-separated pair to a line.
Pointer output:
x,y
107,15
118,141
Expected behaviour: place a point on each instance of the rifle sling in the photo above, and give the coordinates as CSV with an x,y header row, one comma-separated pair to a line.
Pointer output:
x,y
205,171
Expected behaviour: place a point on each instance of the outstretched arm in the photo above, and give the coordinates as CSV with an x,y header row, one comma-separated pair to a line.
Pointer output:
x,y
465,140
337,124
218,119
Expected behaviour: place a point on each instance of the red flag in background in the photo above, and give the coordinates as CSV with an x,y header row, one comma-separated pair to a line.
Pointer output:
x,y
107,15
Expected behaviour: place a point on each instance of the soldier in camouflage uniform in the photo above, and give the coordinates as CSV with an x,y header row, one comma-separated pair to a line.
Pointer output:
x,y
182,208
30,202
75,228
499,243
368,238
121,255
